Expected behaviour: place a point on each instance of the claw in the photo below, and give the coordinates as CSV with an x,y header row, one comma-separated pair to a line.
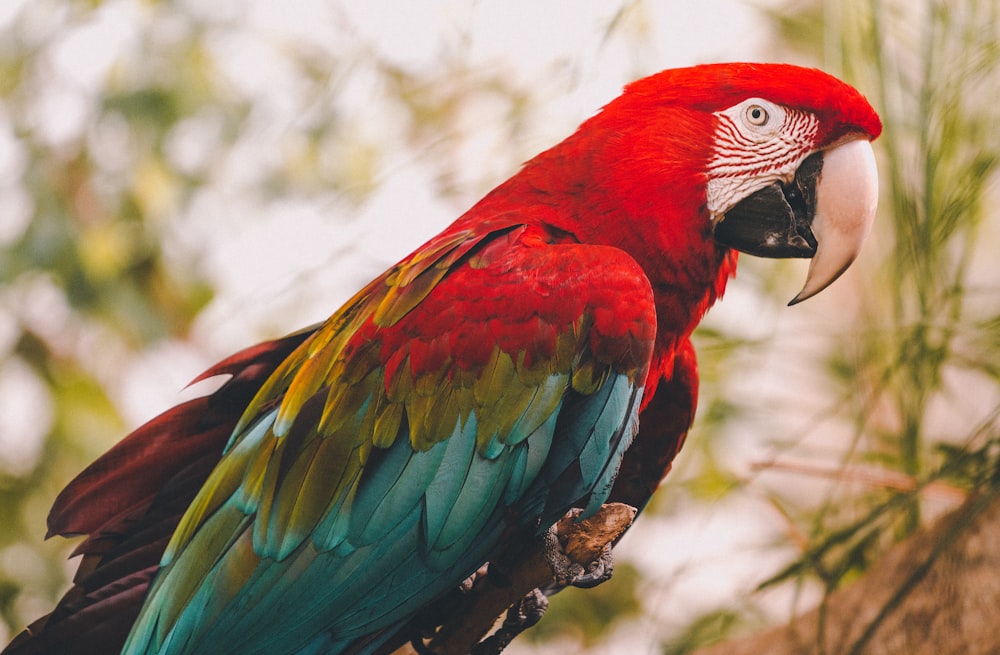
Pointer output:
x,y
521,616
599,571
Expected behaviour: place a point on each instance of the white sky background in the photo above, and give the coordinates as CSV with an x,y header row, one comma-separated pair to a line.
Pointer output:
x,y
293,265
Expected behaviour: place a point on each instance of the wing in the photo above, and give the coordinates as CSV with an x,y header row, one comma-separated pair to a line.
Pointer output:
x,y
129,502
483,386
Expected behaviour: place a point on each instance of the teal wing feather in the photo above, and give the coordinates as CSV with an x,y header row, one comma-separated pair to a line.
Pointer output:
x,y
488,383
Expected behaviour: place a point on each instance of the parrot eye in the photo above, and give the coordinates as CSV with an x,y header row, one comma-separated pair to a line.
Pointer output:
x,y
756,115
757,119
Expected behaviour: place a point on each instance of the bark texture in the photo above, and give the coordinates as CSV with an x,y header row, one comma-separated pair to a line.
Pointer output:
x,y
936,593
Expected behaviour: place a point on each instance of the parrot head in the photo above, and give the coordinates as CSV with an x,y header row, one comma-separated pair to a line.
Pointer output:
x,y
793,174
773,160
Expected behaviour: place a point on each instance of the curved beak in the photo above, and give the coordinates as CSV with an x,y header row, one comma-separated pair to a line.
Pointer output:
x,y
846,197
824,213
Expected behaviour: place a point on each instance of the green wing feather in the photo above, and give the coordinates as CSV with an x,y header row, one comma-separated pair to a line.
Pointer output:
x,y
380,463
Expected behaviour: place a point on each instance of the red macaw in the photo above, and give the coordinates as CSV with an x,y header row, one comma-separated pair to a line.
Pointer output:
x,y
531,358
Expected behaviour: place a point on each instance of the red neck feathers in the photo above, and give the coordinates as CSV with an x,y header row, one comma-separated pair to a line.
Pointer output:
x,y
632,177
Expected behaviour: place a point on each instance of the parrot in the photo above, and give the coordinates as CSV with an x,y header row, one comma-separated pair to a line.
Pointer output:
x,y
532,358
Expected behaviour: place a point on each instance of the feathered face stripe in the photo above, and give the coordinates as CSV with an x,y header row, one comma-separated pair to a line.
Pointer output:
x,y
756,143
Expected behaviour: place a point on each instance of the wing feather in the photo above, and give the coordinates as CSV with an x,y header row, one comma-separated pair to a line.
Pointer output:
x,y
387,454
393,491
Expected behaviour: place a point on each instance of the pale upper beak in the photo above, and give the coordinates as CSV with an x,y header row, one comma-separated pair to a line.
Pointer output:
x,y
824,213
846,197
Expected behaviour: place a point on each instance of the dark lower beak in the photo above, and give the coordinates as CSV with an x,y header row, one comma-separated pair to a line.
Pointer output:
x,y
776,221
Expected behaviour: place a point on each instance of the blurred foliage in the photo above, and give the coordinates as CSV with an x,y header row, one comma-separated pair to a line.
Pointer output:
x,y
917,375
910,363
84,280
706,630
122,124
586,615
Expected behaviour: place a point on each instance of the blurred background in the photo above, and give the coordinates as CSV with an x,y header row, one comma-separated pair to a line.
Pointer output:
x,y
180,179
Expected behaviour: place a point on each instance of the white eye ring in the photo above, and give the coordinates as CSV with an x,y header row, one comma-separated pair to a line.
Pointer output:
x,y
757,115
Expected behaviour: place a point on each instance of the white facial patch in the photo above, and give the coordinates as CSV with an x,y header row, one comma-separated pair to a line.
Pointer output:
x,y
755,144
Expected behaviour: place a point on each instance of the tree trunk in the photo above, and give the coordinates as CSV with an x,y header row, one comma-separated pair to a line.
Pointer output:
x,y
936,593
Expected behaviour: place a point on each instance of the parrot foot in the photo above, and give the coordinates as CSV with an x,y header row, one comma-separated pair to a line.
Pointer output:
x,y
522,615
598,571
567,572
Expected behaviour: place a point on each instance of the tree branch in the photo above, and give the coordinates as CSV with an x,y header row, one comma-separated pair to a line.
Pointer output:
x,y
494,593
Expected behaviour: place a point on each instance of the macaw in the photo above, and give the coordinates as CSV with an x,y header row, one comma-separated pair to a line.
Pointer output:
x,y
533,357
